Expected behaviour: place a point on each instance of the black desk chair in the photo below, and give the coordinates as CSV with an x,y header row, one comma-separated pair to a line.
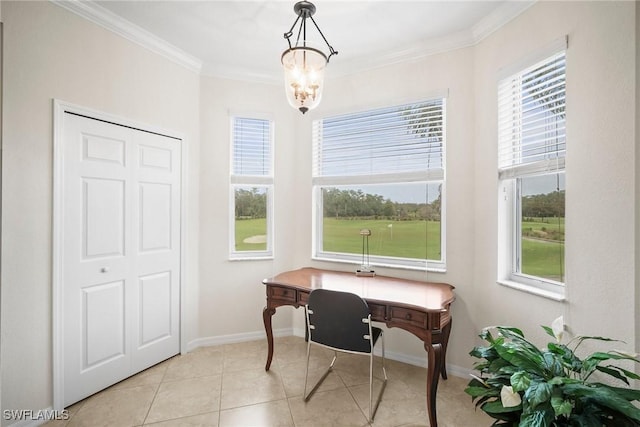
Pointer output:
x,y
341,321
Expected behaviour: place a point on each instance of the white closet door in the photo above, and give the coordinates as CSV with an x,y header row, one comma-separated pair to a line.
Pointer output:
x,y
121,253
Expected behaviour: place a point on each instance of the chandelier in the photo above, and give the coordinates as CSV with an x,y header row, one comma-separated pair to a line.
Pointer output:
x,y
304,65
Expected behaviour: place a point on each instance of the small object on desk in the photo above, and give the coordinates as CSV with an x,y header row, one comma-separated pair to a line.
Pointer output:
x,y
365,273
365,269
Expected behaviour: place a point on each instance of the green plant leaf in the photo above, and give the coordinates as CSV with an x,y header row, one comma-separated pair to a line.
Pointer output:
x,y
613,371
485,334
537,419
604,396
522,357
629,374
549,331
511,329
552,364
563,380
581,338
479,391
624,392
496,407
561,406
538,393
520,381
483,353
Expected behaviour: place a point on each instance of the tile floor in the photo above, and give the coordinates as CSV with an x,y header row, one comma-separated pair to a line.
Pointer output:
x,y
227,386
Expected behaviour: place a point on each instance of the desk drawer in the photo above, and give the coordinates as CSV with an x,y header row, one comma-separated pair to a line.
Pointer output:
x,y
303,298
413,317
281,293
378,312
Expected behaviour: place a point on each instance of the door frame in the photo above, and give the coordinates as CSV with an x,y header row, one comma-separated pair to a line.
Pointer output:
x,y
59,110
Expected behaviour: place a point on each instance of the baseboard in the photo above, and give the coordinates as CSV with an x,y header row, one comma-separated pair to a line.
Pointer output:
x,y
234,338
456,371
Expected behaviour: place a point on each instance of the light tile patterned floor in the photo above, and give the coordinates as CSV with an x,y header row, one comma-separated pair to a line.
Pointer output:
x,y
227,386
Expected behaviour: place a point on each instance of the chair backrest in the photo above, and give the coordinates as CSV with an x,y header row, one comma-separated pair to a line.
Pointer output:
x,y
335,320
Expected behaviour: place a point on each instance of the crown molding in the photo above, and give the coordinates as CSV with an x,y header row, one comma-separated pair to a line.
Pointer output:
x,y
498,18
118,25
420,50
411,53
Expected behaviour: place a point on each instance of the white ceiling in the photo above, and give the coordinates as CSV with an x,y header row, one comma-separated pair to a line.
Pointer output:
x,y
244,39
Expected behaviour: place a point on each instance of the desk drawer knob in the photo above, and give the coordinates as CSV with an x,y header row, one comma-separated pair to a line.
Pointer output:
x,y
407,316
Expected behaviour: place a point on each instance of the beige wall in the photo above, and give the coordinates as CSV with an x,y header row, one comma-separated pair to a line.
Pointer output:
x,y
600,168
231,293
51,53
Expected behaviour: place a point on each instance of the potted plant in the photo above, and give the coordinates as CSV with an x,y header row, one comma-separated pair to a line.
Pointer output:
x,y
522,385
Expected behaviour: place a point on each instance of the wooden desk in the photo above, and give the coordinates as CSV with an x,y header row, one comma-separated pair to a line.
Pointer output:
x,y
418,307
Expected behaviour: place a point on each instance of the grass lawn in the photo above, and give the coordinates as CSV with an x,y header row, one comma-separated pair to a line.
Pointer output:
x,y
404,239
247,228
543,248
543,259
410,239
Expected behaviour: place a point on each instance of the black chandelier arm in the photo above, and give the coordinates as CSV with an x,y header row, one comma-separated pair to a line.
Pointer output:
x,y
332,51
289,33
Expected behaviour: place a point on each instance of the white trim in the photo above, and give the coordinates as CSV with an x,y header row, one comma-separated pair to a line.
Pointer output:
x,y
235,338
387,178
534,290
550,49
469,37
118,25
498,18
417,51
57,257
457,371
59,109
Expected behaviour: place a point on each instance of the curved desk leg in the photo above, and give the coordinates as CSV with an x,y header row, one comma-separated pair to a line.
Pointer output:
x,y
446,331
434,369
266,317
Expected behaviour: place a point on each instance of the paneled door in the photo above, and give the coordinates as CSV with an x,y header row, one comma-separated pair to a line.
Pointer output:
x,y
121,252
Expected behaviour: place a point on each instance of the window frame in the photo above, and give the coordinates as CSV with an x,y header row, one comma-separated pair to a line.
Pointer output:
x,y
239,180
428,177
510,195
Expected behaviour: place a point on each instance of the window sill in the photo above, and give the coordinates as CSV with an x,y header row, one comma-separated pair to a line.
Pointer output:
x,y
252,258
549,294
381,265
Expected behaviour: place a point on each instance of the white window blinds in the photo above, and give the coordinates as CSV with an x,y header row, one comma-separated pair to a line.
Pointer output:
x,y
531,119
251,146
405,139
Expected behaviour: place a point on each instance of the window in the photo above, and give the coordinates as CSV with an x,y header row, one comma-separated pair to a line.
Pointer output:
x,y
251,188
531,154
381,170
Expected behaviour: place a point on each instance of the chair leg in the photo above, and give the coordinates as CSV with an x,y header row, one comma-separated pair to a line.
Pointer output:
x,y
374,409
306,371
326,373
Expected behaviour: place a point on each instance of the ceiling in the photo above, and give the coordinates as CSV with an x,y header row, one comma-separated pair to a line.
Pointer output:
x,y
244,39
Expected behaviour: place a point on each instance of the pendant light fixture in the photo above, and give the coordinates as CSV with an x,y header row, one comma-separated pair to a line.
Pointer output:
x,y
303,64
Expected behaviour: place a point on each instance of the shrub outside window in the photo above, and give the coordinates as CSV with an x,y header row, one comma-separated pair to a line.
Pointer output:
x,y
381,170
531,159
251,214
